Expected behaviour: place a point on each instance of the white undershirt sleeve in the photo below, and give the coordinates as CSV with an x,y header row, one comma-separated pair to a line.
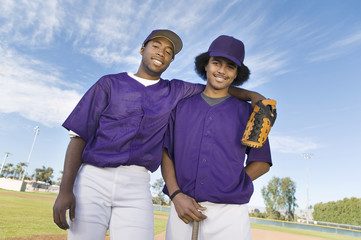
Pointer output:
x,y
73,134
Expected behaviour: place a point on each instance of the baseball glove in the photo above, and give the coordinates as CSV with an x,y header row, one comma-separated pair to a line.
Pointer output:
x,y
260,123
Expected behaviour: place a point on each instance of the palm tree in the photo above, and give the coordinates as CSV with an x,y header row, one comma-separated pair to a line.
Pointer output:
x,y
19,169
5,170
8,170
44,174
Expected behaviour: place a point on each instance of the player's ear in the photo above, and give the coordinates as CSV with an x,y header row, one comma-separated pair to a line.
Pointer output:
x,y
205,67
142,50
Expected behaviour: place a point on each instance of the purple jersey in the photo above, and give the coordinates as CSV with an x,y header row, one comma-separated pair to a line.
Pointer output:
x,y
205,144
123,122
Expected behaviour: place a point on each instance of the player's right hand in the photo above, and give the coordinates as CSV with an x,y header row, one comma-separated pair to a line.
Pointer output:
x,y
63,202
188,209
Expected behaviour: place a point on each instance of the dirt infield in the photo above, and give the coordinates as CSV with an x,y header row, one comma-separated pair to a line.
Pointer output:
x,y
257,234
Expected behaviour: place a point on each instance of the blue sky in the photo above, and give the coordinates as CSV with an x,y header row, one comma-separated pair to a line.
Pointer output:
x,y
305,54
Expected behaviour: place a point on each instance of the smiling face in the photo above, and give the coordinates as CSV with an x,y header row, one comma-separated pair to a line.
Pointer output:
x,y
157,54
220,74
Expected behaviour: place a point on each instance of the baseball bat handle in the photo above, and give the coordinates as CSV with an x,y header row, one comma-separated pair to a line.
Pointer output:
x,y
195,230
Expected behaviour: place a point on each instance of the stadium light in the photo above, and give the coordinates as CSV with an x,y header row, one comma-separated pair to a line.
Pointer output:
x,y
36,130
307,156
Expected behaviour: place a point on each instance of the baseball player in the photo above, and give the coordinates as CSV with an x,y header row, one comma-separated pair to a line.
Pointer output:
x,y
117,132
203,160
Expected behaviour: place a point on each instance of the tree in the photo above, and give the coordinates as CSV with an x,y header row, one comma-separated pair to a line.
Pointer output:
x,y
346,211
19,169
256,213
280,195
288,199
157,186
59,178
8,170
271,196
43,174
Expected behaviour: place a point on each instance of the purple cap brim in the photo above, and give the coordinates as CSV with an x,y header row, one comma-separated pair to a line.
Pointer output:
x,y
220,54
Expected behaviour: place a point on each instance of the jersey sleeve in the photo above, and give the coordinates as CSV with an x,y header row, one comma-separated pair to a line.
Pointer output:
x,y
187,89
84,119
262,154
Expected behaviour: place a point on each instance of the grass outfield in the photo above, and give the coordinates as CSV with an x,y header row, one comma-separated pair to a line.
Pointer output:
x,y
308,233
24,216
31,214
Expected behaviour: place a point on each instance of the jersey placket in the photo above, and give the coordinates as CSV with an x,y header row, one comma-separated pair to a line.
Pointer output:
x,y
204,160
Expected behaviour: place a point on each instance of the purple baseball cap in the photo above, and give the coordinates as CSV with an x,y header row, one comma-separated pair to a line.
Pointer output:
x,y
168,34
228,47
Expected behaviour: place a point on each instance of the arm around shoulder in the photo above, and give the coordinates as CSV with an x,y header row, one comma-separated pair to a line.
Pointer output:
x,y
246,95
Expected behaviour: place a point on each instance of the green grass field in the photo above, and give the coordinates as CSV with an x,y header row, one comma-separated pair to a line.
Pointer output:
x,y
33,217
326,236
28,217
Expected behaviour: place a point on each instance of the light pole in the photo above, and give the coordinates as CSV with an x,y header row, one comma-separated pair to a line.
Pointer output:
x,y
2,165
307,156
36,130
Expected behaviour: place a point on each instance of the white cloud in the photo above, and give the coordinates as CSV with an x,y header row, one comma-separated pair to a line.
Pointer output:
x,y
90,26
288,144
104,55
105,31
33,90
30,22
354,39
264,66
337,48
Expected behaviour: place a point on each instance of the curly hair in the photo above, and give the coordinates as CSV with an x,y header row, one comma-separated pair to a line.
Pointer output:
x,y
202,60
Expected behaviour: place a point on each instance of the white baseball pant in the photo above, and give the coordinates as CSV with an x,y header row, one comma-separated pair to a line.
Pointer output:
x,y
224,221
117,199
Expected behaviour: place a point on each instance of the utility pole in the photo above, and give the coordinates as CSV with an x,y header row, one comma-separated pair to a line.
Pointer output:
x,y
307,156
36,130
2,165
